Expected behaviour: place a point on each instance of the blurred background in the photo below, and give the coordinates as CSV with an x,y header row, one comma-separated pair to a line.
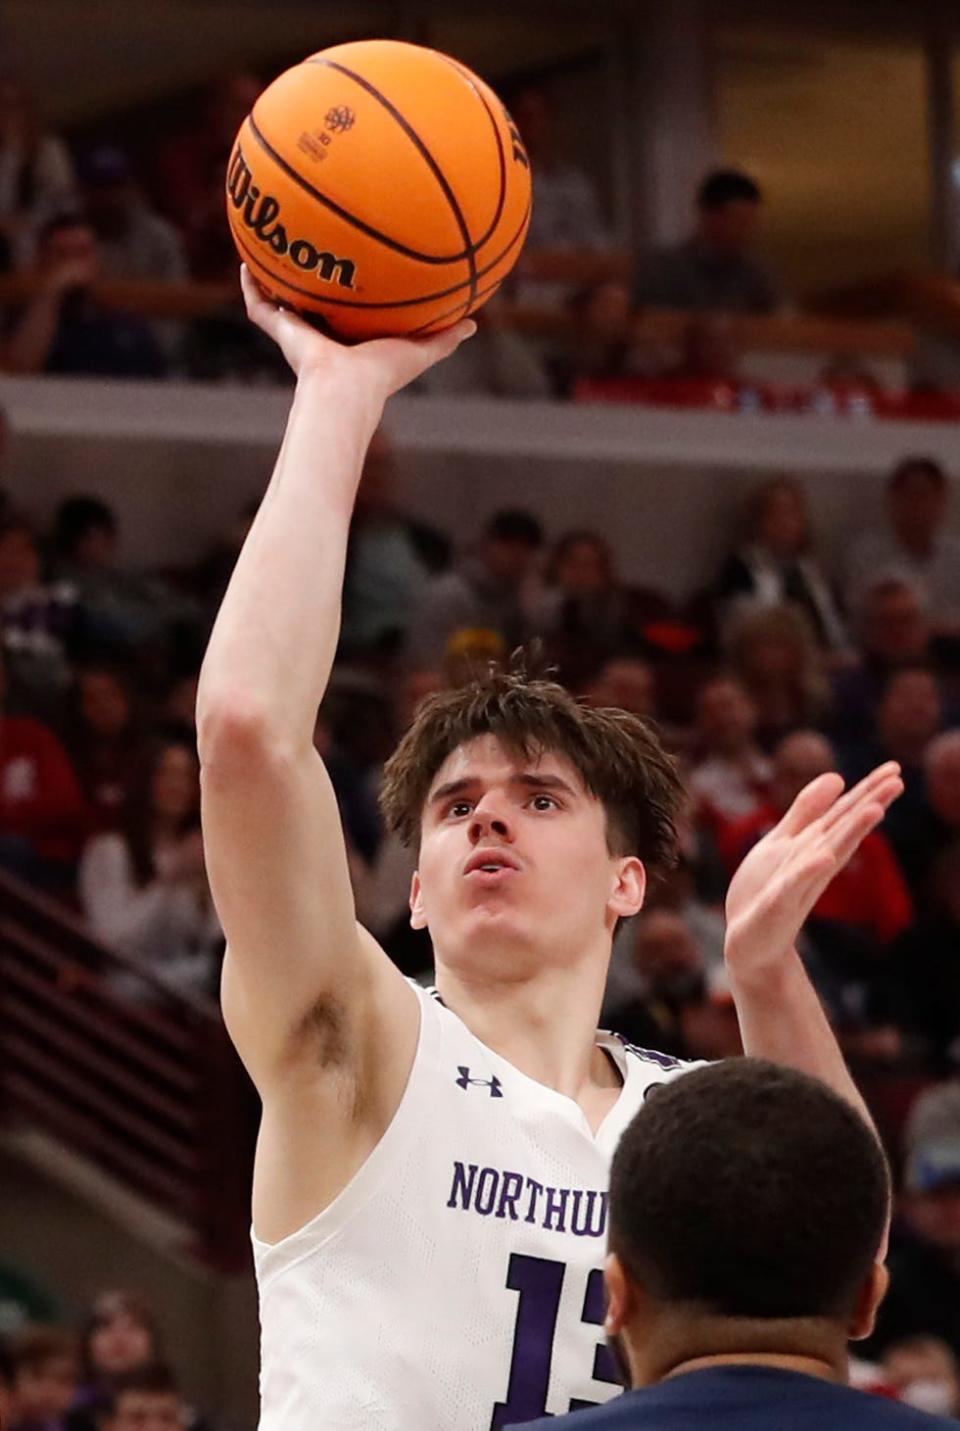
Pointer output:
x,y
704,448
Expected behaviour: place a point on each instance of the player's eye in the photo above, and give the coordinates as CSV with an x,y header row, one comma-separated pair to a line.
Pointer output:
x,y
544,802
460,808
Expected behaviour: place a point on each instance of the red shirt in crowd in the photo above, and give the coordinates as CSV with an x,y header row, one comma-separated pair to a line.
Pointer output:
x,y
40,797
869,893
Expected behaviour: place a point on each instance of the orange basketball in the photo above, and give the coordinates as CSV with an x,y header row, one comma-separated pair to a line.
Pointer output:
x,y
382,186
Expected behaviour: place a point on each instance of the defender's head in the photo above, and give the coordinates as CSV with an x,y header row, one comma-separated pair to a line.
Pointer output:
x,y
536,818
748,1205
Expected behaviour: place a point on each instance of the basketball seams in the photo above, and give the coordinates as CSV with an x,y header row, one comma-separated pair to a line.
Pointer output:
x,y
469,79
253,257
451,198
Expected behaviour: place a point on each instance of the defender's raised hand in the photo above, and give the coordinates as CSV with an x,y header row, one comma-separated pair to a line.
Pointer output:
x,y
781,879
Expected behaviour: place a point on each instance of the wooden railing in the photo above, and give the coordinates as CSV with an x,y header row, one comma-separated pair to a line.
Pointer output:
x,y
148,1088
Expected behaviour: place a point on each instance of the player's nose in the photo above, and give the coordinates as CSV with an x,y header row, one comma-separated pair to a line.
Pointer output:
x,y
489,821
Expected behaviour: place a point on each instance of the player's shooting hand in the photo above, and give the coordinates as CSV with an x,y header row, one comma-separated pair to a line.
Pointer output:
x,y
783,876
388,364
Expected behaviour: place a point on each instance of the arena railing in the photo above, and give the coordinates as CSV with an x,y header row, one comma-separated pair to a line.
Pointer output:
x,y
104,1057
843,323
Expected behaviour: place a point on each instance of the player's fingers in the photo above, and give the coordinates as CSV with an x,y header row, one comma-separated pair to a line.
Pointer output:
x,y
847,836
866,789
812,803
260,309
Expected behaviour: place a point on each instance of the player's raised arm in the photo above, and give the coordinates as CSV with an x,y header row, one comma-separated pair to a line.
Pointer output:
x,y
298,969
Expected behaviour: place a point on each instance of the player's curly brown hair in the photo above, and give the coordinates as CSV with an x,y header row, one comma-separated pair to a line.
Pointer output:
x,y
618,756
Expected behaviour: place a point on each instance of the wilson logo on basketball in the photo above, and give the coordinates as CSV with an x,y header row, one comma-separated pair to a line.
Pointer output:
x,y
260,213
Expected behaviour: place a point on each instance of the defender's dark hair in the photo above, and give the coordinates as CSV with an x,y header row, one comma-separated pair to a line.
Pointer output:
x,y
618,756
727,186
749,1190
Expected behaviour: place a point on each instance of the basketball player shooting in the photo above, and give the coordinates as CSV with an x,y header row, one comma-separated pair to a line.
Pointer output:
x,y
430,1203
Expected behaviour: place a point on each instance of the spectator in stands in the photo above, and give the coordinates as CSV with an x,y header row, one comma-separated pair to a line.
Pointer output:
x,y
39,621
909,715
773,653
390,559
925,1374
914,546
36,175
669,1003
730,778
626,682
869,894
44,1379
104,741
63,329
581,610
600,347
497,362
775,564
893,632
716,269
486,592
121,611
148,1399
133,240
144,888
42,814
924,990
934,825
924,1262
566,216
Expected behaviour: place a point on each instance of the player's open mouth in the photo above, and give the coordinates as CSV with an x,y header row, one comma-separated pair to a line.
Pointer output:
x,y
490,865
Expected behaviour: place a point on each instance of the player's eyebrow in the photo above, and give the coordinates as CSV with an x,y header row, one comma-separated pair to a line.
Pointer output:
x,y
530,780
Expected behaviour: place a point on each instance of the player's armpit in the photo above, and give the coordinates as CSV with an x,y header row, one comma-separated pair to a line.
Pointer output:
x,y
302,985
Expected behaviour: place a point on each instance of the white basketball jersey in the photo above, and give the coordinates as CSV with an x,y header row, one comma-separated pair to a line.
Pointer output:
x,y
455,1284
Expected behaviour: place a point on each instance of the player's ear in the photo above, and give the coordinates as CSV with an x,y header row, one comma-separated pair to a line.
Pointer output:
x,y
629,889
871,1295
418,918
619,1296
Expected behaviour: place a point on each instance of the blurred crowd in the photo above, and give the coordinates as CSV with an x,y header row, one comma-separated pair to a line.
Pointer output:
x,y
151,208
780,668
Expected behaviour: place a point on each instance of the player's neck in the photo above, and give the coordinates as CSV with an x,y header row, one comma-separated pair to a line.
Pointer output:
x,y
545,1026
663,1349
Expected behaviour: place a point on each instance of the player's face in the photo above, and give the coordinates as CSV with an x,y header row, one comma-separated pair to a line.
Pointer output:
x,y
514,870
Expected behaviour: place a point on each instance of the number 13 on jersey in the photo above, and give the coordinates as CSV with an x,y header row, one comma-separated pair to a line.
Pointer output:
x,y
539,1282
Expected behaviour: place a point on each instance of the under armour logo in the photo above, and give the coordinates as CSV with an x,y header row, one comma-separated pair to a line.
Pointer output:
x,y
464,1081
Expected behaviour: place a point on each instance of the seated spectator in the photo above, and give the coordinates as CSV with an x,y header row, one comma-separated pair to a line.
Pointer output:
x,y
566,216
39,622
497,362
775,565
892,632
44,1379
104,741
148,1399
133,240
43,818
121,611
925,1373
63,329
908,717
923,996
626,683
121,1352
914,546
485,592
664,1000
773,653
600,346
390,559
144,887
715,270
924,1261
581,610
931,827
36,175
869,894
730,777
